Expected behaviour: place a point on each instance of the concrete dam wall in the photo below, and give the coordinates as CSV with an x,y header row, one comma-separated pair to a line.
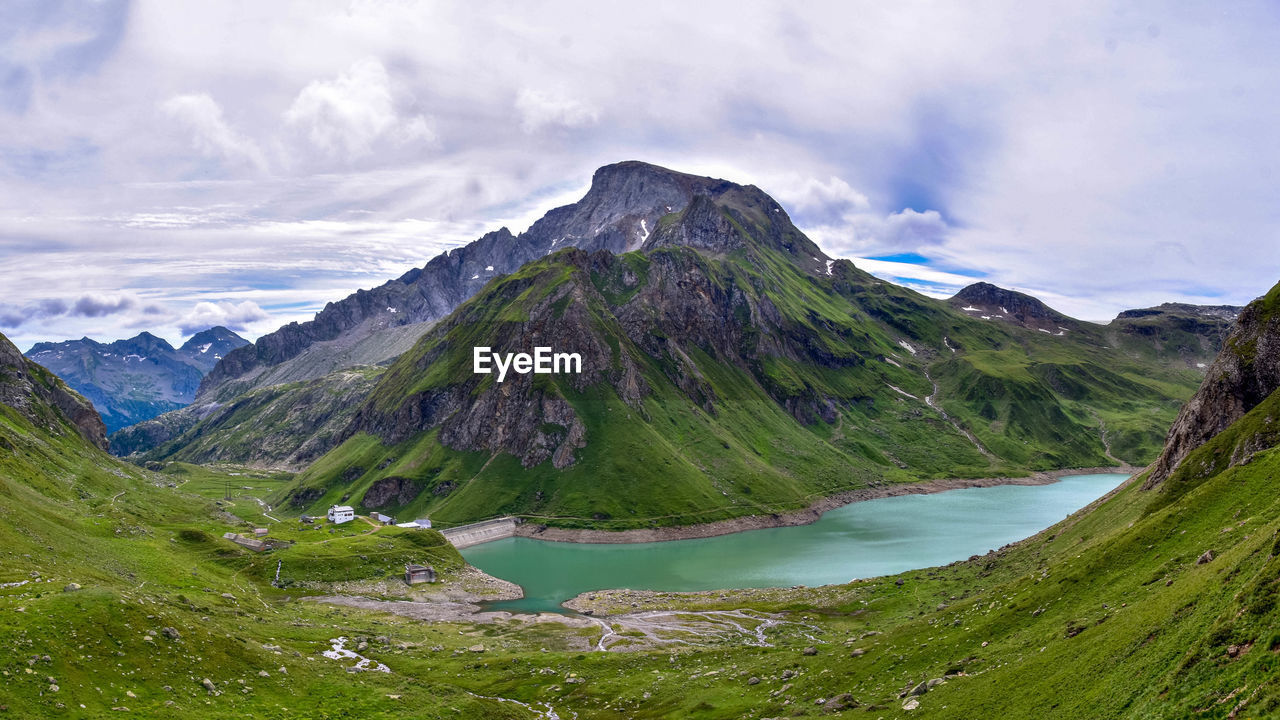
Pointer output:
x,y
481,532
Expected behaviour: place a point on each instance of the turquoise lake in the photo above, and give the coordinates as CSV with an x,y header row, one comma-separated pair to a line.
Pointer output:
x,y
865,539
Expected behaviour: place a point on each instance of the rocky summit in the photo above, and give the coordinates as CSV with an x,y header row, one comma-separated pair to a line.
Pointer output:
x,y
619,213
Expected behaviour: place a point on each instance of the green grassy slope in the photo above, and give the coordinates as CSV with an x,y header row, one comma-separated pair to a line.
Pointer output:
x,y
100,557
284,426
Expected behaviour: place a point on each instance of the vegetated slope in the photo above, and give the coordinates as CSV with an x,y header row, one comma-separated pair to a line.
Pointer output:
x,y
132,380
283,426
1158,603
112,582
729,368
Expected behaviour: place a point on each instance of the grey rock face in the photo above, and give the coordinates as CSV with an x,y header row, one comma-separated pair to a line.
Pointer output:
x,y
1244,374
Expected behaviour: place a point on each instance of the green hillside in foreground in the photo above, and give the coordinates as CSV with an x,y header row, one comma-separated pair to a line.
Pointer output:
x,y
728,370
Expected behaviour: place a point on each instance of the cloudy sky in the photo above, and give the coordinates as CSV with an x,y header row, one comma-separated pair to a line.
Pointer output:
x,y
172,165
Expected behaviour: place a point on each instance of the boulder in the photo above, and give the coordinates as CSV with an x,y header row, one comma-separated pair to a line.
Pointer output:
x,y
840,703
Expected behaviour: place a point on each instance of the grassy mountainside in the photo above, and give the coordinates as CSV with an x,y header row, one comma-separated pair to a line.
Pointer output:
x,y
112,578
729,369
284,426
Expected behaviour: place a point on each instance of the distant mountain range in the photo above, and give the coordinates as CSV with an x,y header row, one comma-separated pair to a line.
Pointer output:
x,y
132,380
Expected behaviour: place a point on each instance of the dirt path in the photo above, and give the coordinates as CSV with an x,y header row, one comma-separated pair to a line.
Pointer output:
x,y
1106,442
930,401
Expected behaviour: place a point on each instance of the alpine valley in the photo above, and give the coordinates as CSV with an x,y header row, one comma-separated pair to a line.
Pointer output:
x,y
730,371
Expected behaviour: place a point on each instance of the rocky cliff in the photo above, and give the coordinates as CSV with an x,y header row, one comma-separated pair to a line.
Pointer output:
x,y
45,400
1245,373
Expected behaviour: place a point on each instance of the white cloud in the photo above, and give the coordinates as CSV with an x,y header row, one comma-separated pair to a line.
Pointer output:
x,y
1054,150
346,116
833,198
539,110
236,316
201,115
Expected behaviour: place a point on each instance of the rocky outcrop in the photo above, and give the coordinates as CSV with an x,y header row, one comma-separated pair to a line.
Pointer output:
x,y
1229,313
45,400
1244,374
619,213
391,491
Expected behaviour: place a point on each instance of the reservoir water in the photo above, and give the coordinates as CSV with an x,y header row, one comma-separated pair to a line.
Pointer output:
x,y
865,539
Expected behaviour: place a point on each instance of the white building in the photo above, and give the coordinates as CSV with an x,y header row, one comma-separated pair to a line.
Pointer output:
x,y
339,514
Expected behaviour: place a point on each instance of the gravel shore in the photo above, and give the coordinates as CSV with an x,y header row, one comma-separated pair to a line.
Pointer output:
x,y
798,517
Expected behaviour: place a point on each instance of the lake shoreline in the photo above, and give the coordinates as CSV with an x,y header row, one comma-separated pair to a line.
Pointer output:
x,y
792,518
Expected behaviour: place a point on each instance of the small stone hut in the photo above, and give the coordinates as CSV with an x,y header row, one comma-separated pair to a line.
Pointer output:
x,y
415,574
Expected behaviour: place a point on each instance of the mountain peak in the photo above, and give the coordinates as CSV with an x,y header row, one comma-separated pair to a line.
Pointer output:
x,y
982,299
144,342
630,206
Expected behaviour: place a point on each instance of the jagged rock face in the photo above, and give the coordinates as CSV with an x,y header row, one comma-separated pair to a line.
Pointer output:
x,y
617,313
391,491
1245,373
43,398
618,213
993,302
132,380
